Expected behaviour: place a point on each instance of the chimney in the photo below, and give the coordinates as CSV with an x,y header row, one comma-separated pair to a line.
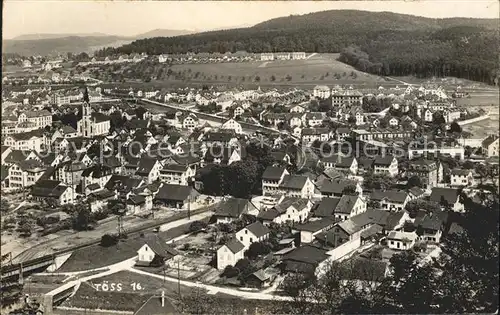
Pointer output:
x,y
162,298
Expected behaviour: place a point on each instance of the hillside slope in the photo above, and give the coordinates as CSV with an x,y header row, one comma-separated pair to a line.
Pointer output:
x,y
389,43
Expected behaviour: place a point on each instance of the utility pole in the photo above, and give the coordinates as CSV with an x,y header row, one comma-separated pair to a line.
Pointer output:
x,y
178,277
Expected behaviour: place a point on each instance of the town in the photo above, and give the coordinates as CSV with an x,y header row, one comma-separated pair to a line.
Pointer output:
x,y
123,196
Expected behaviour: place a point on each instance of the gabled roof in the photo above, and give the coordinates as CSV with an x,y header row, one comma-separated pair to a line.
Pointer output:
x,y
295,182
146,165
460,172
234,207
383,160
258,229
326,207
160,247
314,226
338,160
346,203
391,195
97,171
307,254
123,183
432,220
234,245
489,140
273,173
402,236
48,188
174,192
17,156
336,186
174,168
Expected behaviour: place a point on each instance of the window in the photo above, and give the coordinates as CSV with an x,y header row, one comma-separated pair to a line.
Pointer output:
x,y
246,231
251,239
241,238
392,242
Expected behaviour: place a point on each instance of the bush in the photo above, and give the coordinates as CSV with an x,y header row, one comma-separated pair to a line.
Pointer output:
x,y
230,272
108,240
197,226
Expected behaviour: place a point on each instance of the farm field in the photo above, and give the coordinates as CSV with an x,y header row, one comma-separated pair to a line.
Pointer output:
x,y
316,70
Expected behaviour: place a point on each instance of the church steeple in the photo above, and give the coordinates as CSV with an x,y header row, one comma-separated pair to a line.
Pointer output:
x,y
86,103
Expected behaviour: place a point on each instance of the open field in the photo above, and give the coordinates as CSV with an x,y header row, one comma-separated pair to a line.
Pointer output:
x,y
489,102
316,70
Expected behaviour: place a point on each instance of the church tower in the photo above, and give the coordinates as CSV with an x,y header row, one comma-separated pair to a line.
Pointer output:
x,y
86,124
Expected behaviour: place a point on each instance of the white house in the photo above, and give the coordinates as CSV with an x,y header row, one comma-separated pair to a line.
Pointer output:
x,y
401,240
461,177
490,146
156,247
40,118
253,233
386,165
321,91
289,209
232,124
230,253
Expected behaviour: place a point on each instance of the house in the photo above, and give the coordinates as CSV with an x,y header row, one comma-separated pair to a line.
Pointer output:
x,y
431,224
271,179
461,178
385,165
232,124
490,146
221,155
340,208
252,233
392,200
231,209
154,250
32,140
39,118
99,199
348,97
229,253
312,228
304,259
189,121
297,109
138,203
176,196
258,279
176,174
149,169
64,132
313,119
53,192
123,184
292,209
297,185
335,187
309,135
222,138
25,173
401,240
393,122
340,162
447,198
430,172
321,91
96,174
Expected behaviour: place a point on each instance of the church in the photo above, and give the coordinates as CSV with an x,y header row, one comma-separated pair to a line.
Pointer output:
x,y
92,124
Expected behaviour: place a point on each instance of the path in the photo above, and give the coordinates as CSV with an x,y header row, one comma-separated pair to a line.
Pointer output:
x,y
214,289
400,81
311,55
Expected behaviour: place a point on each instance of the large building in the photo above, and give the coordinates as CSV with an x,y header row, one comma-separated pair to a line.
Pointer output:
x,y
346,97
39,118
430,172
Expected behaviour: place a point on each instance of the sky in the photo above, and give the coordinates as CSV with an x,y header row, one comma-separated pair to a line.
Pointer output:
x,y
128,18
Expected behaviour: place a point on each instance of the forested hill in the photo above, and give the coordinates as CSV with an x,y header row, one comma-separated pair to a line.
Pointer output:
x,y
390,43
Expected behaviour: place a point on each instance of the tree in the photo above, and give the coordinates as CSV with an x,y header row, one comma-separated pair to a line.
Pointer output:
x,y
416,205
257,249
108,240
4,205
414,181
273,78
25,230
139,112
83,221
469,165
377,181
455,127
230,272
